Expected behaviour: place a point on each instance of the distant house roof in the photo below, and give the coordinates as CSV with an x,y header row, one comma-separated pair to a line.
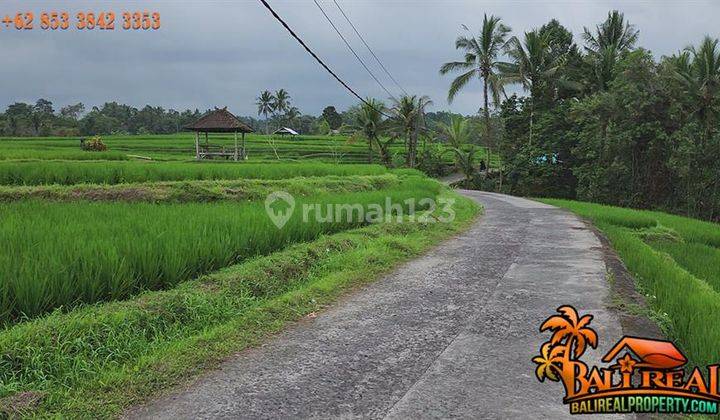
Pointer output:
x,y
286,130
219,121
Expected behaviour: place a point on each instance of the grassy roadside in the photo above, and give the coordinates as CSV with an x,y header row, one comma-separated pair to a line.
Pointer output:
x,y
94,361
671,258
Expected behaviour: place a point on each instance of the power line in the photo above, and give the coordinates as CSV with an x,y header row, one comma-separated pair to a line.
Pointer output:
x,y
352,50
297,38
368,47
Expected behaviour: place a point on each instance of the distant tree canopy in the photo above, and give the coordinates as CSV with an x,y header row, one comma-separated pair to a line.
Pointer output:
x,y
41,119
331,116
606,121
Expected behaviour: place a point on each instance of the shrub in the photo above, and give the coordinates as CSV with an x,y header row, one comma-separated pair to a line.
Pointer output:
x,y
95,144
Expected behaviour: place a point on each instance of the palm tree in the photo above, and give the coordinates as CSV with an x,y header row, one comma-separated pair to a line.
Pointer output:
x,y
480,59
698,69
265,103
702,78
291,115
369,121
612,38
457,133
282,101
532,64
408,121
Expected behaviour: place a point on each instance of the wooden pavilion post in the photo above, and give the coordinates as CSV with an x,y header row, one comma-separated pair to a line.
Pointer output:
x,y
244,153
197,145
236,147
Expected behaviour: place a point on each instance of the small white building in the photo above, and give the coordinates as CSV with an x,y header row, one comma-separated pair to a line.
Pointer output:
x,y
285,130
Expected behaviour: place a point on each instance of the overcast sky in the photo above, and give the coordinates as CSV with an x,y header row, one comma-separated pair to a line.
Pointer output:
x,y
217,53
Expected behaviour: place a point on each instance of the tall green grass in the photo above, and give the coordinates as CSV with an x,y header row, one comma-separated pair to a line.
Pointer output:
x,y
678,277
95,360
700,260
61,254
200,191
66,173
58,154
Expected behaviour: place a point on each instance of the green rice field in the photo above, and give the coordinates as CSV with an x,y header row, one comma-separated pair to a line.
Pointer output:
x,y
116,264
119,172
181,146
676,262
61,254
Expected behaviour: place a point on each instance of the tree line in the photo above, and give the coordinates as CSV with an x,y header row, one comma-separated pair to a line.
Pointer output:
x,y
601,120
42,119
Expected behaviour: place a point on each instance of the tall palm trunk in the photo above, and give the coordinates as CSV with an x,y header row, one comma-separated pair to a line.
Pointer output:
x,y
370,150
413,141
532,115
486,115
486,111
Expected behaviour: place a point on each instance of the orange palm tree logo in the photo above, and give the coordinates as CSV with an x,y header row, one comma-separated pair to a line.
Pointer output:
x,y
560,355
644,369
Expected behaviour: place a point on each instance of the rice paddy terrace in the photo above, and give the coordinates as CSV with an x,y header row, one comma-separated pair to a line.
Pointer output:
x,y
113,258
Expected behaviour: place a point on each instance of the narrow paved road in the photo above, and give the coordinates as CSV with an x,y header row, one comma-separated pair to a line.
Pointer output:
x,y
450,334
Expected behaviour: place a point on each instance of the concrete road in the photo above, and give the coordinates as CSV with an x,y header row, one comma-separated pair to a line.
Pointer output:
x,y
448,335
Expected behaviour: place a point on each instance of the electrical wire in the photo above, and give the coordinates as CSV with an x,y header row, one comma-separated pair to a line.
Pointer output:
x,y
353,50
315,56
368,47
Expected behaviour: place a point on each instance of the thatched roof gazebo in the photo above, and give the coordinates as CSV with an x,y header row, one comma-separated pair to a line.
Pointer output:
x,y
219,121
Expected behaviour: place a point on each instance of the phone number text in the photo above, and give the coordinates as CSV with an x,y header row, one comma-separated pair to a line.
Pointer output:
x,y
104,21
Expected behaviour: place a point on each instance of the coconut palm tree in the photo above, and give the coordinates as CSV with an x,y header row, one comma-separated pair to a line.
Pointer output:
x,y
265,103
369,122
700,70
282,101
480,60
532,65
611,38
457,133
408,121
291,115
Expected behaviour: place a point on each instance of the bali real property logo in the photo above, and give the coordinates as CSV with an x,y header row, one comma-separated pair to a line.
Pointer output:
x,y
647,375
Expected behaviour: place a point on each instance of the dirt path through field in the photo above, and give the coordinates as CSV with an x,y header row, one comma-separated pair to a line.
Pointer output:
x,y
450,334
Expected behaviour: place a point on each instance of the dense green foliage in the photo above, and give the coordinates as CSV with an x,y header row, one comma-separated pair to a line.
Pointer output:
x,y
613,125
675,262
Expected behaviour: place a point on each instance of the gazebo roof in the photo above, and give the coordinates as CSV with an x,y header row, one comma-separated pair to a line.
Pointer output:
x,y
219,121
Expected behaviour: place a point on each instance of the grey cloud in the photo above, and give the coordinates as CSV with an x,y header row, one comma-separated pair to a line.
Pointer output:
x,y
225,52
